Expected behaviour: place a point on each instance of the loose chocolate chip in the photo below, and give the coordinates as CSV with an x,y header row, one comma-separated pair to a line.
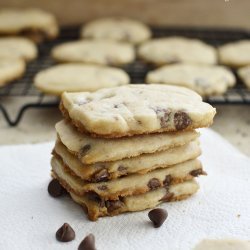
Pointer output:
x,y
113,205
167,181
163,115
158,216
88,243
55,189
181,120
84,150
102,187
197,172
167,197
102,175
154,183
65,233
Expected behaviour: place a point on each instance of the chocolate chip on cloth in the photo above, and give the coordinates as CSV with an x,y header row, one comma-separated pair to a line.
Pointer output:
x,y
158,216
88,243
55,189
65,233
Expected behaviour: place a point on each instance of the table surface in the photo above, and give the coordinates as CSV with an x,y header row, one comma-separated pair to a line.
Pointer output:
x,y
232,122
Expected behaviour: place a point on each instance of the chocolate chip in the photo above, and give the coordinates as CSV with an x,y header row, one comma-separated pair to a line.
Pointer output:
x,y
167,181
154,183
55,189
102,175
197,172
181,120
114,205
158,216
121,168
65,233
95,197
163,115
102,187
84,150
167,197
88,243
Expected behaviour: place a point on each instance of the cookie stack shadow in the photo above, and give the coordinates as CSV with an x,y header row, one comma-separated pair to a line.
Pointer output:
x,y
113,175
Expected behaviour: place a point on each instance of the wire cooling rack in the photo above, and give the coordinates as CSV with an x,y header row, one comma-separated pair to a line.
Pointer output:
x,y
24,87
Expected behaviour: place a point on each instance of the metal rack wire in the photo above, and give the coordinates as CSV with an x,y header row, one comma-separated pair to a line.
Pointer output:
x,y
137,71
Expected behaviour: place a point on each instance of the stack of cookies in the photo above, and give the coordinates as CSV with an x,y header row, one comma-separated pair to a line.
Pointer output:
x,y
129,148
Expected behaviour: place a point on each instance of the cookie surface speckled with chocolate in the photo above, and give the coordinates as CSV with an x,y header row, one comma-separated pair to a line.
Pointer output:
x,y
136,109
33,23
116,28
96,207
128,185
90,150
102,52
167,50
204,79
141,164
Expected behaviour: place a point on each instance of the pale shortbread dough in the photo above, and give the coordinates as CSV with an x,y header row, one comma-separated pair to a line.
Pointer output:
x,y
95,51
168,50
90,150
206,80
118,29
17,47
10,69
137,109
75,77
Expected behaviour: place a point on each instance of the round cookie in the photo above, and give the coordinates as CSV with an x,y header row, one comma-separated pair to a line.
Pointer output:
x,y
168,50
244,74
97,52
118,29
236,54
31,22
17,47
79,77
204,79
10,69
136,109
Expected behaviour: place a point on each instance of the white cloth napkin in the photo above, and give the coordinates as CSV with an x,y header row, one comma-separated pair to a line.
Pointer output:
x,y
29,217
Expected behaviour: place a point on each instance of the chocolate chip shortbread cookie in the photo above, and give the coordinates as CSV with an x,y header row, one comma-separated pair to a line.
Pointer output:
x,y
118,29
90,150
235,54
204,79
75,77
129,185
160,51
136,109
95,51
33,23
10,69
17,47
96,207
141,164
